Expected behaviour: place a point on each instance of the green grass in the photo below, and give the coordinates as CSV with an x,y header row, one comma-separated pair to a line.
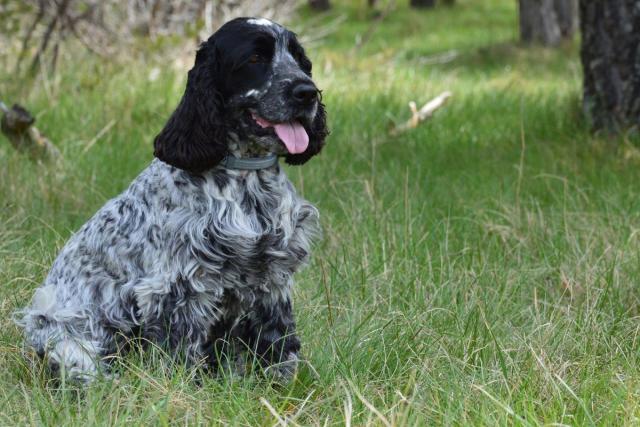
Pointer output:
x,y
481,269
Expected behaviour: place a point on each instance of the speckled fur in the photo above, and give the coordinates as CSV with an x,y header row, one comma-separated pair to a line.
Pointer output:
x,y
173,258
197,260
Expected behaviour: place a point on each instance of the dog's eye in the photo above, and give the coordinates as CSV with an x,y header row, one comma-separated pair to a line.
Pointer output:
x,y
257,59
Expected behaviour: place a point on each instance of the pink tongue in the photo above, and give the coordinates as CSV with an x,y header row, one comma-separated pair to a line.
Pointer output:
x,y
293,135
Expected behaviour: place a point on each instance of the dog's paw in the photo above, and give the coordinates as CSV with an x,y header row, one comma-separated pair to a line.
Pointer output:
x,y
283,372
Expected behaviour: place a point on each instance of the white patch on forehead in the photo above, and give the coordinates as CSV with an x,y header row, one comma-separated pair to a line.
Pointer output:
x,y
251,92
260,21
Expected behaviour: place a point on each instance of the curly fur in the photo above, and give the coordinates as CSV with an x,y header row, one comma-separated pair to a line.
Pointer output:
x,y
192,255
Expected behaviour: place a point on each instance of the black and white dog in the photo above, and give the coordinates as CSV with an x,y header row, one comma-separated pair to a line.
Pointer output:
x,y
198,254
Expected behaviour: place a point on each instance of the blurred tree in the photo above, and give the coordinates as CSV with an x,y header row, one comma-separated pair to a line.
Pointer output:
x,y
103,26
547,21
320,4
567,15
423,3
611,62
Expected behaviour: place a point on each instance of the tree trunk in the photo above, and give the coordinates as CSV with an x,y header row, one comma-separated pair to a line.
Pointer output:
x,y
320,4
547,21
567,15
423,3
611,62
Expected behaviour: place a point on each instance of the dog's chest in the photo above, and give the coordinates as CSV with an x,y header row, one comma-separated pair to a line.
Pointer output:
x,y
257,231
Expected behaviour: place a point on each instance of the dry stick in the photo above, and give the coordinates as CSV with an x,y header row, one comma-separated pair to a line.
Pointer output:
x,y
100,134
424,113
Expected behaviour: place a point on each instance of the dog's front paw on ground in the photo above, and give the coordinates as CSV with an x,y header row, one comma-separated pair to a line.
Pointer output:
x,y
284,371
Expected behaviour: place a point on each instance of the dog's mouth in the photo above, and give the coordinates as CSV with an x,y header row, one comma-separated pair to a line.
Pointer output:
x,y
292,133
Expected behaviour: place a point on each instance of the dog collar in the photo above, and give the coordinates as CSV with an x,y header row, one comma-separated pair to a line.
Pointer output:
x,y
250,163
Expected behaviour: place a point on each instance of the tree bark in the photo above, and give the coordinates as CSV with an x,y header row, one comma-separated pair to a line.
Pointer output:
x,y
567,15
320,4
423,3
610,56
547,22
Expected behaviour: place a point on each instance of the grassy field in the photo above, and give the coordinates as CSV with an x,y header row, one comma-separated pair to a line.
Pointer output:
x,y
481,269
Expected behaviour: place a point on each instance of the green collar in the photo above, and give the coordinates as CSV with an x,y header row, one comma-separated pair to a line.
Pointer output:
x,y
249,163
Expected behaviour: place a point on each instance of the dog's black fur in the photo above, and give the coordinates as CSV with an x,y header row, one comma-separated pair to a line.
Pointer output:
x,y
195,137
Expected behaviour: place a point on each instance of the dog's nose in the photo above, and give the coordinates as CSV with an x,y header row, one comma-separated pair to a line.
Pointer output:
x,y
305,93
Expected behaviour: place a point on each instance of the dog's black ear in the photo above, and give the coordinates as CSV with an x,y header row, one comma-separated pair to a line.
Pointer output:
x,y
194,137
318,132
298,53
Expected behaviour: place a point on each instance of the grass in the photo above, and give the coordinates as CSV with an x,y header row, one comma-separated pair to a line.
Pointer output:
x,y
481,269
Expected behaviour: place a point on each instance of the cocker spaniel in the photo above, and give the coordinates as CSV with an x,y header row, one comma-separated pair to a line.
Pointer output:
x,y
198,254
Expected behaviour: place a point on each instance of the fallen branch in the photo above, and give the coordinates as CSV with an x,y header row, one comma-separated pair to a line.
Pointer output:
x,y
424,113
17,126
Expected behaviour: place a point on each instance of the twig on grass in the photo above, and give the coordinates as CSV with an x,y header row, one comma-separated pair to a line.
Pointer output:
x,y
421,115
99,135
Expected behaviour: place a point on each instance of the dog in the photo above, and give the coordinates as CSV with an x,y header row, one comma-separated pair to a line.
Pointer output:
x,y
198,254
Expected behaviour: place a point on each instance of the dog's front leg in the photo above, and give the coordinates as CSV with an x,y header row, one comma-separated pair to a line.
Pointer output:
x,y
272,335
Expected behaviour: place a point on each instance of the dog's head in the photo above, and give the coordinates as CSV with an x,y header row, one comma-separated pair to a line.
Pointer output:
x,y
251,88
